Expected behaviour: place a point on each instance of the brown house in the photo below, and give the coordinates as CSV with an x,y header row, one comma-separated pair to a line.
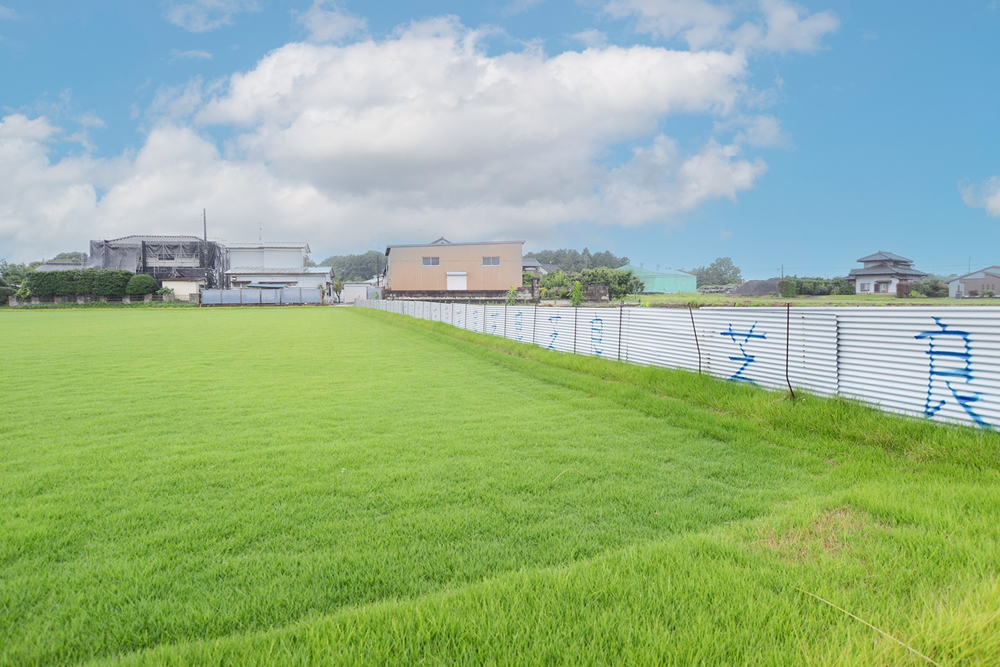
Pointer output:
x,y
443,266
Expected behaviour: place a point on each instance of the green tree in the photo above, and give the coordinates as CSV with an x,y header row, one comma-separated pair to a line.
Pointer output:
x,y
356,267
720,272
15,274
77,257
140,284
576,295
620,283
571,261
338,288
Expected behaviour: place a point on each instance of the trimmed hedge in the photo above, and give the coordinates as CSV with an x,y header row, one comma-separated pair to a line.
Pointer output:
x,y
85,282
141,283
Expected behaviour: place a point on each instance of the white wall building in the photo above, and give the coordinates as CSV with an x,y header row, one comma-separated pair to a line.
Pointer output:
x,y
882,272
275,265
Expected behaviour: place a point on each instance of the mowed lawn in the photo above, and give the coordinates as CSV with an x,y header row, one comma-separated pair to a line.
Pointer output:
x,y
331,485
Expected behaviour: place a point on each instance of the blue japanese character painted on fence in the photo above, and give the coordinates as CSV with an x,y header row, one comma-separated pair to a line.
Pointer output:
x,y
742,338
554,334
950,367
475,319
493,316
518,326
597,336
460,314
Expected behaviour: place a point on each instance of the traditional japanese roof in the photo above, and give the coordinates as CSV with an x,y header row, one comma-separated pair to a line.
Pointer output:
x,y
885,257
886,270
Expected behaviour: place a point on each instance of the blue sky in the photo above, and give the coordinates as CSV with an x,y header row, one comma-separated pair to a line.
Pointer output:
x,y
672,131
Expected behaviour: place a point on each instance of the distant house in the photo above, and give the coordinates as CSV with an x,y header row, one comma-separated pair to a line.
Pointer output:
x,y
663,282
181,259
443,266
882,272
975,283
275,265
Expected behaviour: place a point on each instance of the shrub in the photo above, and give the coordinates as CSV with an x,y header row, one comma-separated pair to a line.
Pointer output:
x,y
787,288
619,283
140,284
576,296
512,296
973,292
903,289
96,282
989,293
6,293
165,290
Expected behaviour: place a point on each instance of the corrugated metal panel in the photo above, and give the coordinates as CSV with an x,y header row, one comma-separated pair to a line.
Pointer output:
x,y
597,332
555,329
940,363
521,323
749,345
659,337
495,320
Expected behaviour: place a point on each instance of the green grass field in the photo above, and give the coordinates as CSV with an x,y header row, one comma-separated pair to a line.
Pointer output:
x,y
332,485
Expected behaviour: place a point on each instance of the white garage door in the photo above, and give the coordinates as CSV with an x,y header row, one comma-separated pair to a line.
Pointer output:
x,y
457,280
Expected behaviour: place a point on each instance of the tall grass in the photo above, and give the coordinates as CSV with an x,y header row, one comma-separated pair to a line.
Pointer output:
x,y
334,485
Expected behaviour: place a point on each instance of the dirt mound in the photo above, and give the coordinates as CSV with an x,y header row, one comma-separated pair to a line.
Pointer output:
x,y
758,288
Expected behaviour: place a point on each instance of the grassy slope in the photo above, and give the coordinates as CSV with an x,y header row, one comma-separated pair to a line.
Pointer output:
x,y
342,485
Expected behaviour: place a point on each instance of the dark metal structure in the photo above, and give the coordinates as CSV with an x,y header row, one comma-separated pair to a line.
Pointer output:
x,y
163,257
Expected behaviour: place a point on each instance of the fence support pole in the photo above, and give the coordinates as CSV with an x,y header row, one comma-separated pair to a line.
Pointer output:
x,y
534,324
576,316
788,325
696,343
621,313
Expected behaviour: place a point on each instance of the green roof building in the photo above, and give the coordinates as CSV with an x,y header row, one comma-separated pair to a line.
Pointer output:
x,y
663,282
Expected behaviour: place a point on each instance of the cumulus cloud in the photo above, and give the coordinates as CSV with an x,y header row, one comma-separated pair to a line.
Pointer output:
x,y
774,25
206,15
594,39
348,146
985,195
326,21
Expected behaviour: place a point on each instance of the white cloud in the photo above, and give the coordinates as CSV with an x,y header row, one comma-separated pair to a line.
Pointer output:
x,y
775,25
592,39
206,15
326,21
354,145
985,196
7,14
760,131
724,234
177,54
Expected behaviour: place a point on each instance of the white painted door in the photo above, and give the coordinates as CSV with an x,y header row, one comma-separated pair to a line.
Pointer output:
x,y
457,280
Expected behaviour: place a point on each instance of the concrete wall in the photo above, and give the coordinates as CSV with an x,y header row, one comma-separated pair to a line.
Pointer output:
x,y
407,272
183,289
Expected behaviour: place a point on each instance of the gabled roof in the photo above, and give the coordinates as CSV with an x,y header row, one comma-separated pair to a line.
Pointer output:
x,y
444,241
992,271
884,257
637,270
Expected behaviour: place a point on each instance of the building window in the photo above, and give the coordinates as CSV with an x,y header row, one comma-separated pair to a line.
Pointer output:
x,y
864,287
491,261
881,287
432,261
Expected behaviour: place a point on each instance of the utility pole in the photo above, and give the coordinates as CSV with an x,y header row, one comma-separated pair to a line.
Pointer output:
x,y
782,271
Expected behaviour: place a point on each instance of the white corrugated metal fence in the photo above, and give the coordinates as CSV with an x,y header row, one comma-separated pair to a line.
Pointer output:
x,y
942,363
